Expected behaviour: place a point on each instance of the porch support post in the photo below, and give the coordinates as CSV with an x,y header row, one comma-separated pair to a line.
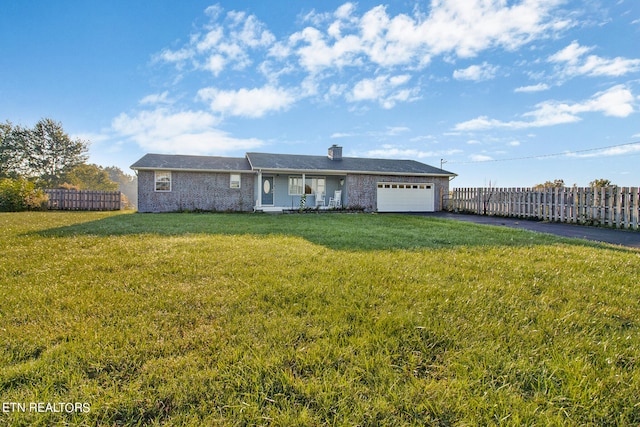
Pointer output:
x,y
259,201
304,184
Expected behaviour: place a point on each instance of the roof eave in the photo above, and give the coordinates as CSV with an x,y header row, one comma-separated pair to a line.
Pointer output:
x,y
160,168
351,172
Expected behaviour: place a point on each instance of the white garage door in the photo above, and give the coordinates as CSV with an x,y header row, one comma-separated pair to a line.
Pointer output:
x,y
405,197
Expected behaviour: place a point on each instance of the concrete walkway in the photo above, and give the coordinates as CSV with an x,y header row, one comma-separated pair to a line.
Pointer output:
x,y
608,235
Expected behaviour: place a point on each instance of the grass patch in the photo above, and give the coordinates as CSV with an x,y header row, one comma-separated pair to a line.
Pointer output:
x,y
337,231
193,319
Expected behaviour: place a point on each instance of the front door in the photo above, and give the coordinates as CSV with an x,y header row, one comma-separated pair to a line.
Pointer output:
x,y
267,190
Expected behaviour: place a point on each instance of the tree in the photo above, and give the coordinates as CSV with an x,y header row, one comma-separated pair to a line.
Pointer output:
x,y
90,177
5,150
556,183
43,153
12,161
50,152
601,183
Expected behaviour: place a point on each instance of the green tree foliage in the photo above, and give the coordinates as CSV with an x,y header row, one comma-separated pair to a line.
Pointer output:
x,y
12,162
556,183
90,177
45,152
21,195
5,134
601,183
51,151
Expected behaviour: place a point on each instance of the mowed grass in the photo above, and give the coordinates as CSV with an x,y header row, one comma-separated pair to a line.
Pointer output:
x,y
313,320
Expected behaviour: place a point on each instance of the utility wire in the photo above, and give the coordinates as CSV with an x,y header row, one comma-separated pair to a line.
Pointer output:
x,y
542,156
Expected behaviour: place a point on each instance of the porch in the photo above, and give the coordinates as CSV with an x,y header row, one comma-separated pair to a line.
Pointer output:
x,y
288,192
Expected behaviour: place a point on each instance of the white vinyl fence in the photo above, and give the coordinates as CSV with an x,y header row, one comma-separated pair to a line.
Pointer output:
x,y
608,206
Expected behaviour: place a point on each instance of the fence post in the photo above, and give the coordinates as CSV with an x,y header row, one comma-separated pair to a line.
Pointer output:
x,y
624,199
587,204
615,207
635,194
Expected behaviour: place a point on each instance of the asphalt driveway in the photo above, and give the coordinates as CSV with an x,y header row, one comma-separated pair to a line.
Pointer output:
x,y
608,235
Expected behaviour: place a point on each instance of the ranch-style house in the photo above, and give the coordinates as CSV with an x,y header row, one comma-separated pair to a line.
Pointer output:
x,y
278,182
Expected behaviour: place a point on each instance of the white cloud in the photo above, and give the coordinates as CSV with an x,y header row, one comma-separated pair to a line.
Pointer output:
x,y
345,11
384,89
185,132
222,44
617,101
480,123
421,138
385,49
93,138
213,11
317,54
370,89
253,103
533,88
156,98
179,57
215,64
575,62
249,31
476,73
336,135
464,28
396,130
390,151
480,158
469,27
390,131
570,54
613,151
210,40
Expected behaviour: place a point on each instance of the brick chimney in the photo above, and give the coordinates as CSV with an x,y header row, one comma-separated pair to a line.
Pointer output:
x,y
335,152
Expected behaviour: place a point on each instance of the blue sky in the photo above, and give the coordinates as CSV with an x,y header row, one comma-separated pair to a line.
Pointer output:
x,y
511,93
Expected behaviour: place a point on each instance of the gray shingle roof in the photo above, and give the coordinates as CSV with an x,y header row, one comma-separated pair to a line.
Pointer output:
x,y
286,163
192,163
292,162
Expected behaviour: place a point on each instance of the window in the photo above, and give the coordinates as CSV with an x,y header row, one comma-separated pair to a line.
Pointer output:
x,y
312,185
295,186
234,180
163,181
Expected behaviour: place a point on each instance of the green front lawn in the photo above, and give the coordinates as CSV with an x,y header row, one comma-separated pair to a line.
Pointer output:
x,y
312,320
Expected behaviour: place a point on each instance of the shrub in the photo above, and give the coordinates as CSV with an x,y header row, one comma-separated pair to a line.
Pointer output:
x,y
21,195
67,186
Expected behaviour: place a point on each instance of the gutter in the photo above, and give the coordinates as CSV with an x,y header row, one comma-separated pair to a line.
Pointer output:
x,y
353,172
192,170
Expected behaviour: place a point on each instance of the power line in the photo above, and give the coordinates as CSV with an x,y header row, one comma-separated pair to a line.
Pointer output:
x,y
542,156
